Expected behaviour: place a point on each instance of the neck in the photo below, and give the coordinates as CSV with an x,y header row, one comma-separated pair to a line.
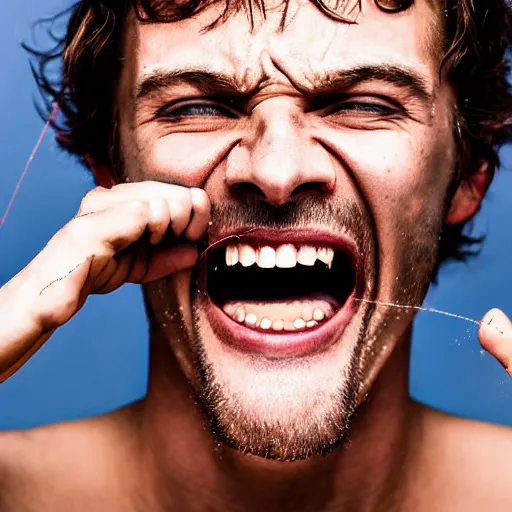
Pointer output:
x,y
187,469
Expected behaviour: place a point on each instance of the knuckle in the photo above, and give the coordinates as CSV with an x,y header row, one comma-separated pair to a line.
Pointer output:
x,y
140,208
159,204
200,199
85,205
118,187
159,211
185,202
179,193
90,200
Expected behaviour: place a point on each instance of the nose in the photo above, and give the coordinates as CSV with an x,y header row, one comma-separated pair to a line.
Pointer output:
x,y
278,161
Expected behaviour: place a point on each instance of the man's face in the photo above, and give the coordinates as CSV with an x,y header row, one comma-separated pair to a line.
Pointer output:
x,y
330,146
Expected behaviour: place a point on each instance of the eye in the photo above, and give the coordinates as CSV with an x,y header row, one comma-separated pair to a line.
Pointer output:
x,y
364,107
179,111
393,6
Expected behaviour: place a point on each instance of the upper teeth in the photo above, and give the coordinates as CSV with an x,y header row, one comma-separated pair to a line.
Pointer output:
x,y
284,256
246,255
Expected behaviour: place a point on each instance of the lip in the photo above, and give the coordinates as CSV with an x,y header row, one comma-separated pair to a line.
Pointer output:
x,y
259,236
286,344
274,346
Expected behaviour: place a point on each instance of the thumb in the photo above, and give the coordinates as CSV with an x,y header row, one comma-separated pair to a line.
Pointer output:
x,y
495,335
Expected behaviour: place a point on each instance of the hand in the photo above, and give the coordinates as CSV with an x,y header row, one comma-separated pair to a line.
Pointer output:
x,y
495,336
99,250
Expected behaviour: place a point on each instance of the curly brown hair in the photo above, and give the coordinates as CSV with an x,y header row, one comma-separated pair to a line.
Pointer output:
x,y
476,41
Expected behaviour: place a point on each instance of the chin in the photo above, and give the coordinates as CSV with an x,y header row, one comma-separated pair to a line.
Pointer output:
x,y
278,339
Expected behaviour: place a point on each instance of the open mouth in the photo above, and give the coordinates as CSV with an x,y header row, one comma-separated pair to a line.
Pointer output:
x,y
280,284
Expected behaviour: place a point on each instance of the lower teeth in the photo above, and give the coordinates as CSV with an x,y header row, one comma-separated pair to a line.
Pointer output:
x,y
295,316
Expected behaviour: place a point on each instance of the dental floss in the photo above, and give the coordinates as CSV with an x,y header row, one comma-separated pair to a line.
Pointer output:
x,y
238,236
52,117
428,310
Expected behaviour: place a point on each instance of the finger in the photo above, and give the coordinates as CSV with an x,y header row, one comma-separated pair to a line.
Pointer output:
x,y
152,188
495,334
200,214
100,198
167,261
76,262
146,267
181,213
159,219
179,205
105,232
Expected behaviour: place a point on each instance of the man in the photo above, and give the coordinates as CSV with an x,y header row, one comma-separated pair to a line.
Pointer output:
x,y
328,156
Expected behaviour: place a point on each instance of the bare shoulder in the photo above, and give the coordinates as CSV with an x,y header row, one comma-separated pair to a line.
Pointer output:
x,y
474,442
466,461
73,458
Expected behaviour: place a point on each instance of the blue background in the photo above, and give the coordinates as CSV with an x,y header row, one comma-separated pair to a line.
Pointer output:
x,y
98,361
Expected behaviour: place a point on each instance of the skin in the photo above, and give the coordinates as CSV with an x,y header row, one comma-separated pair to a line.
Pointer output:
x,y
159,454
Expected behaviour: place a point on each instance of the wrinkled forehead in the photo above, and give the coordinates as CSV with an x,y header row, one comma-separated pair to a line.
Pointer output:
x,y
295,38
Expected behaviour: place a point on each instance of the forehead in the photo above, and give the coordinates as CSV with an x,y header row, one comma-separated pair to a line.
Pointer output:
x,y
309,45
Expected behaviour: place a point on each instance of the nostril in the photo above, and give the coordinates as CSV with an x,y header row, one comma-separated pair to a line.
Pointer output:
x,y
311,188
248,189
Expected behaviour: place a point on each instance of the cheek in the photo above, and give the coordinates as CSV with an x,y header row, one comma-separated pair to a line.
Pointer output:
x,y
186,159
400,174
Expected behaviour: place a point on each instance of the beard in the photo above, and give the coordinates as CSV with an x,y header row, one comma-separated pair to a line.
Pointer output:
x,y
286,409
293,409
288,423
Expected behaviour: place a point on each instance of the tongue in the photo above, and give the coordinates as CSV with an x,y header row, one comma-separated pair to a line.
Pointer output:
x,y
280,315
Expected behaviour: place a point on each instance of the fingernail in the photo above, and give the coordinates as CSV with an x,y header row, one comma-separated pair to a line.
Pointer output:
x,y
496,322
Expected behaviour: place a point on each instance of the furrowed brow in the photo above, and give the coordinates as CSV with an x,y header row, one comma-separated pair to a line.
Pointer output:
x,y
397,76
208,82
213,83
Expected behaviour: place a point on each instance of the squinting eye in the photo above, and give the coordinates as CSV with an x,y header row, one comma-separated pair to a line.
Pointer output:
x,y
194,110
363,108
393,6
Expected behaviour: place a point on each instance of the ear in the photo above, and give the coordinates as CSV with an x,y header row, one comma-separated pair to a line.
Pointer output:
x,y
469,196
103,176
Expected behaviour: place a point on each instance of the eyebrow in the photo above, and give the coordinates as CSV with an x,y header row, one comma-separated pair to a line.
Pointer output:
x,y
398,76
208,82
213,83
